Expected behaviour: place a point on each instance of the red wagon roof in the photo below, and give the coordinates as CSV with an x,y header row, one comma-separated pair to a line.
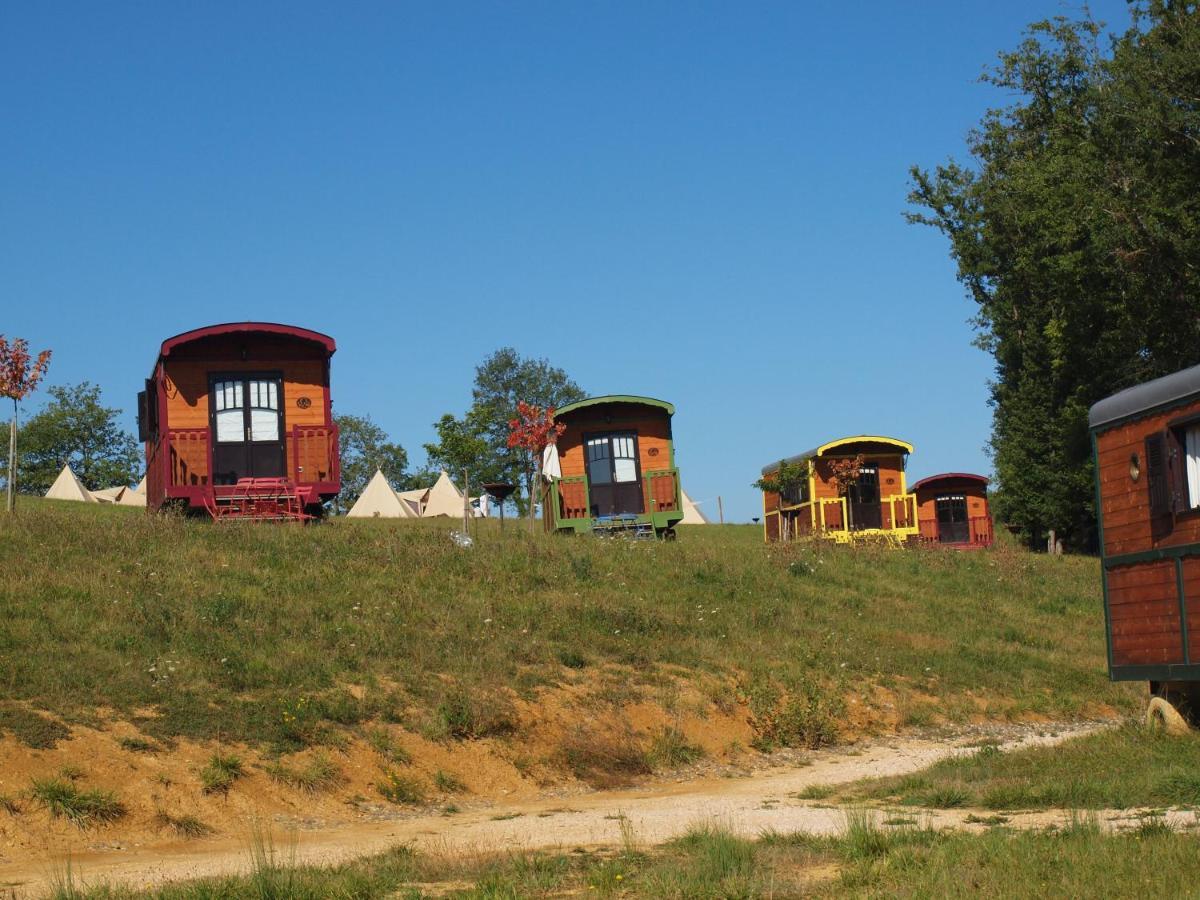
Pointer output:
x,y
196,334
949,476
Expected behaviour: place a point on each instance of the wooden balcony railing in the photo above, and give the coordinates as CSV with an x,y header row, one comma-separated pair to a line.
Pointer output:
x,y
979,531
572,497
661,491
315,454
188,449
832,515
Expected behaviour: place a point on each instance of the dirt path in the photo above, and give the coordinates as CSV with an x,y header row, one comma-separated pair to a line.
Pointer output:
x,y
655,813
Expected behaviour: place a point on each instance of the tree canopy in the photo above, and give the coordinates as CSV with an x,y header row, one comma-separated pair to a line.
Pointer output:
x,y
478,441
1076,231
75,428
364,447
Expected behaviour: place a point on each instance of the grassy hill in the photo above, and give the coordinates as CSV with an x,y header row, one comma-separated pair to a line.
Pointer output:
x,y
293,636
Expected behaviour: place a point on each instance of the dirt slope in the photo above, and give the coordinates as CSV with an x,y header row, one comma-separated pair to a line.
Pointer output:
x,y
655,813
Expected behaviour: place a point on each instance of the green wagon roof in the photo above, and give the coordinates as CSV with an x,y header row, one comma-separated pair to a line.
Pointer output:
x,y
616,398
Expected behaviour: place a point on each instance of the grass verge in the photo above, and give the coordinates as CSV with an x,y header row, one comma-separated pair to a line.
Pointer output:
x,y
1121,768
290,637
866,860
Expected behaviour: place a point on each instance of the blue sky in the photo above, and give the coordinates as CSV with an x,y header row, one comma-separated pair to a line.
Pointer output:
x,y
700,202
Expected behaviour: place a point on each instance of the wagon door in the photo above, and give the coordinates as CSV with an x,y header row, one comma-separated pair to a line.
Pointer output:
x,y
614,482
247,428
953,527
866,510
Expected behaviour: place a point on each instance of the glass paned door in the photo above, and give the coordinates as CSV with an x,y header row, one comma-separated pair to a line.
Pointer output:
x,y
614,481
247,428
953,527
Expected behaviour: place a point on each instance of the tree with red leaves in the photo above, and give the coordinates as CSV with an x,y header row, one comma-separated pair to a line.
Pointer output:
x,y
19,375
533,430
844,473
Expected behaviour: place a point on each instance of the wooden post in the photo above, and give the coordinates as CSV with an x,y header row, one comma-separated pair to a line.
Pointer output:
x,y
533,489
466,501
721,508
1051,543
12,459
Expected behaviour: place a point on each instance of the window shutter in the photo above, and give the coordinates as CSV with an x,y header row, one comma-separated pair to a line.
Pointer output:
x,y
1158,485
1177,472
143,420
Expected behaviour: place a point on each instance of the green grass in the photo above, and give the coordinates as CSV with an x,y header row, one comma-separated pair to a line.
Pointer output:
x,y
1118,768
448,782
139,745
317,775
670,749
220,772
29,727
865,860
257,633
404,790
65,800
185,826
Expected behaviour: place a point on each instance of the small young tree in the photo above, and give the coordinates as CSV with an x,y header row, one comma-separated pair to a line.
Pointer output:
x,y
19,375
787,479
532,431
844,474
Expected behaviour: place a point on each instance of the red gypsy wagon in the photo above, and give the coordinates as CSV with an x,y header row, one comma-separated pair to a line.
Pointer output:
x,y
236,420
952,510
1146,442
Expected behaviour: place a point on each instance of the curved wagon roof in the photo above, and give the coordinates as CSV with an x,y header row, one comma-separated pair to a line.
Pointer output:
x,y
615,398
226,328
824,449
949,476
1144,398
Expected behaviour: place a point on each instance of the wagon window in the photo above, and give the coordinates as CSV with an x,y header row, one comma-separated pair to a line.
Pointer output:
x,y
624,458
599,468
227,396
1191,449
951,508
264,410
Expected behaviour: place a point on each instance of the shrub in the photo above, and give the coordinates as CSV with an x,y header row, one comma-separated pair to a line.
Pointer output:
x,y
401,789
385,745
319,774
670,749
186,826
464,714
448,783
604,759
218,776
806,716
82,807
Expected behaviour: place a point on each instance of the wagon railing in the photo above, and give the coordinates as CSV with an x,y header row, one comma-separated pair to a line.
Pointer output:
x,y
661,491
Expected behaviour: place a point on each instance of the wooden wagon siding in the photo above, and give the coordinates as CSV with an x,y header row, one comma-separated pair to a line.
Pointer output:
x,y
1126,512
571,500
179,454
825,511
1150,551
979,531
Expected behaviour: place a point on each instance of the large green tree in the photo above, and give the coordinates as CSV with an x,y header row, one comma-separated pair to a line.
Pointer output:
x,y
1076,231
75,428
364,447
478,441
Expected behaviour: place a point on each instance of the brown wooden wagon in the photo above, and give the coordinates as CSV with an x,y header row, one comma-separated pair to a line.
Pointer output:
x,y
1146,442
237,420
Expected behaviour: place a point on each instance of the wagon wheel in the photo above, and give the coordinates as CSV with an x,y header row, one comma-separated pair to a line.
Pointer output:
x,y
1161,714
